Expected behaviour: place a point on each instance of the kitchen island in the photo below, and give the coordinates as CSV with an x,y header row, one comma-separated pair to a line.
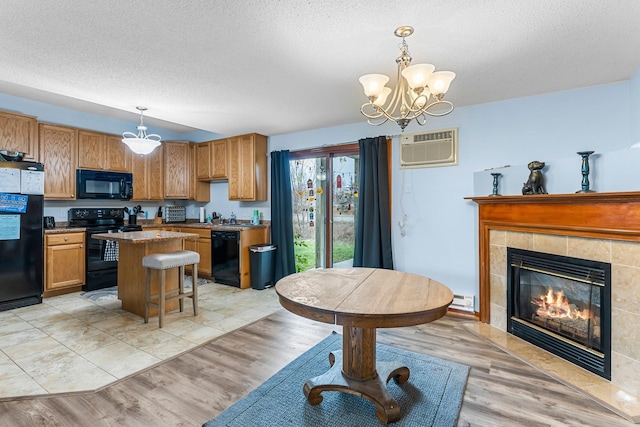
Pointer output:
x,y
133,246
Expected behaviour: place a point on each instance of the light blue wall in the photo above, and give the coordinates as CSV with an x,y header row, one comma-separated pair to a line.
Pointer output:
x,y
634,91
441,226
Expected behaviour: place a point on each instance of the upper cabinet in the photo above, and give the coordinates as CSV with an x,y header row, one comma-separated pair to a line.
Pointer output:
x,y
199,191
103,152
212,160
19,132
91,150
247,167
58,151
118,155
177,157
148,181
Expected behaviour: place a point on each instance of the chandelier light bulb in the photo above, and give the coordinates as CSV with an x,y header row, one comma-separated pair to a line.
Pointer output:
x,y
373,84
440,80
382,98
418,75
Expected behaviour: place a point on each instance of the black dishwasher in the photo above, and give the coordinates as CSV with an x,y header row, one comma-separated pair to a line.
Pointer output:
x,y
225,257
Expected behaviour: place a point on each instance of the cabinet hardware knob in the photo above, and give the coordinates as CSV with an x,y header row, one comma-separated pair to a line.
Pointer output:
x,y
66,239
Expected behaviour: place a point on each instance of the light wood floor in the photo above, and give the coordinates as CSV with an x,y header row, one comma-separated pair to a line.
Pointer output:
x,y
193,388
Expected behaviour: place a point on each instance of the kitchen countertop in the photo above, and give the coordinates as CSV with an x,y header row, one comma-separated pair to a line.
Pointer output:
x,y
59,230
145,236
217,227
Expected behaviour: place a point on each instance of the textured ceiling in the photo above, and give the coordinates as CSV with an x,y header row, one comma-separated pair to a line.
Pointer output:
x,y
275,67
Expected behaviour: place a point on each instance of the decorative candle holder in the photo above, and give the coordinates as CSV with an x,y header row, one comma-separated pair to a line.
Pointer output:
x,y
585,171
495,176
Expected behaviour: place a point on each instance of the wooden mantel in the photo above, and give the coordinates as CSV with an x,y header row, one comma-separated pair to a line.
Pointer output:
x,y
614,216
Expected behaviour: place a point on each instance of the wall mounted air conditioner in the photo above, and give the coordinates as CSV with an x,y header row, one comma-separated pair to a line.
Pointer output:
x,y
429,149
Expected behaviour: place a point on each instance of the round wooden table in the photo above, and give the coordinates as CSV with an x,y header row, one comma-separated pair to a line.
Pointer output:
x,y
361,300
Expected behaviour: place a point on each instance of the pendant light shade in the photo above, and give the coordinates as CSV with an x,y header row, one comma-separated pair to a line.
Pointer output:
x,y
141,143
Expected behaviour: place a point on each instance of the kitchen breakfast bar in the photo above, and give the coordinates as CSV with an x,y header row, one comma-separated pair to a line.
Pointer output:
x,y
133,246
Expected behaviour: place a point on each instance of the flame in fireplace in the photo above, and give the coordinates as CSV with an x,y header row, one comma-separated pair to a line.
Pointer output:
x,y
556,305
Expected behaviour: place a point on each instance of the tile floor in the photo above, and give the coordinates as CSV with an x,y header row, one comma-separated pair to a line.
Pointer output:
x,y
71,343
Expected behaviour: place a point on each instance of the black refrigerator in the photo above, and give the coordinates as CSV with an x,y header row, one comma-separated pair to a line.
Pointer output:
x,y
21,234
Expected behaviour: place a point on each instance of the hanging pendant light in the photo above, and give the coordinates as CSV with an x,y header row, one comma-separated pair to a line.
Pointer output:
x,y
419,91
141,143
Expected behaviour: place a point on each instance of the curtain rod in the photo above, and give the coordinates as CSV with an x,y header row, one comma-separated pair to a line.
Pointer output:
x,y
355,142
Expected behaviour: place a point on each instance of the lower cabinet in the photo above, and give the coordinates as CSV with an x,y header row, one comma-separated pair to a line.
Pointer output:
x,y
64,260
202,246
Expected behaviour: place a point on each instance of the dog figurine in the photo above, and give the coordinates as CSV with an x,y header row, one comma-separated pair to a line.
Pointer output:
x,y
535,183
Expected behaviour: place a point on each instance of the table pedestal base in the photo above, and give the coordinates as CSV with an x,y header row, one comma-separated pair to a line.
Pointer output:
x,y
373,389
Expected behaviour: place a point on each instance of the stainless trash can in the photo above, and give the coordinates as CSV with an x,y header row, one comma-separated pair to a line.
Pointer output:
x,y
263,265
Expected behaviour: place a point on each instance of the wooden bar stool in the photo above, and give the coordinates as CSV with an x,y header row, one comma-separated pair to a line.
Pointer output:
x,y
163,262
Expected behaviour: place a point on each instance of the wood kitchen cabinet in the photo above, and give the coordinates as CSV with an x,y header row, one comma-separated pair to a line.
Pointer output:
x,y
19,132
247,167
202,246
199,191
148,176
177,177
118,155
103,152
91,150
58,153
212,160
64,260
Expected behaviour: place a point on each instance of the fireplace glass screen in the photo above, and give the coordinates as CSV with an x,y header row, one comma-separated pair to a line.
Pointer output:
x,y
567,307
562,305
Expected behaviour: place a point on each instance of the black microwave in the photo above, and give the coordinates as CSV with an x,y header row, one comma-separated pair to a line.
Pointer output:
x,y
92,184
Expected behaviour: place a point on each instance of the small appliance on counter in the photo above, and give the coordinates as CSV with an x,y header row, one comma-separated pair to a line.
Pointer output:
x,y
49,222
255,219
175,214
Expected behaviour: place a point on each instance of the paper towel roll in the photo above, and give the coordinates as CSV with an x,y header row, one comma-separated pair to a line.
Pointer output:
x,y
201,214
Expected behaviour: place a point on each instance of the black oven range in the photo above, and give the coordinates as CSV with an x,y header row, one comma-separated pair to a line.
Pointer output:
x,y
101,255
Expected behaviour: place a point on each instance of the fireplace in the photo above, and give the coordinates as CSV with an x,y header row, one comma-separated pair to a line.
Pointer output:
x,y
563,305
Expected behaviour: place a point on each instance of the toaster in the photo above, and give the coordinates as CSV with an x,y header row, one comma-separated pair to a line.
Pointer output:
x,y
175,214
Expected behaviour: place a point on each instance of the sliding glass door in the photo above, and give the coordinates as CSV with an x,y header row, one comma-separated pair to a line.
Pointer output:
x,y
324,190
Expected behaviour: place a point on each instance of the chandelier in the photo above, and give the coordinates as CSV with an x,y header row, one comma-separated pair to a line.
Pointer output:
x,y
141,143
419,91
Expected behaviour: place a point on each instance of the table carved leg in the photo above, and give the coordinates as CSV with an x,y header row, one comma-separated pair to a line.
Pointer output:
x,y
355,373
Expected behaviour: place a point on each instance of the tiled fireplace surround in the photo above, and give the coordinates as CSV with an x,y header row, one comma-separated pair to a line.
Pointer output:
x,y
602,227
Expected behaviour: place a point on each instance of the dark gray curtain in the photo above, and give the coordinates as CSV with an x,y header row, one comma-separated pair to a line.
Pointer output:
x,y
373,223
282,214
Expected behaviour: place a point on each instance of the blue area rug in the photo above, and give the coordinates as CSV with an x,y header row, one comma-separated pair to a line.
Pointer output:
x,y
431,397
